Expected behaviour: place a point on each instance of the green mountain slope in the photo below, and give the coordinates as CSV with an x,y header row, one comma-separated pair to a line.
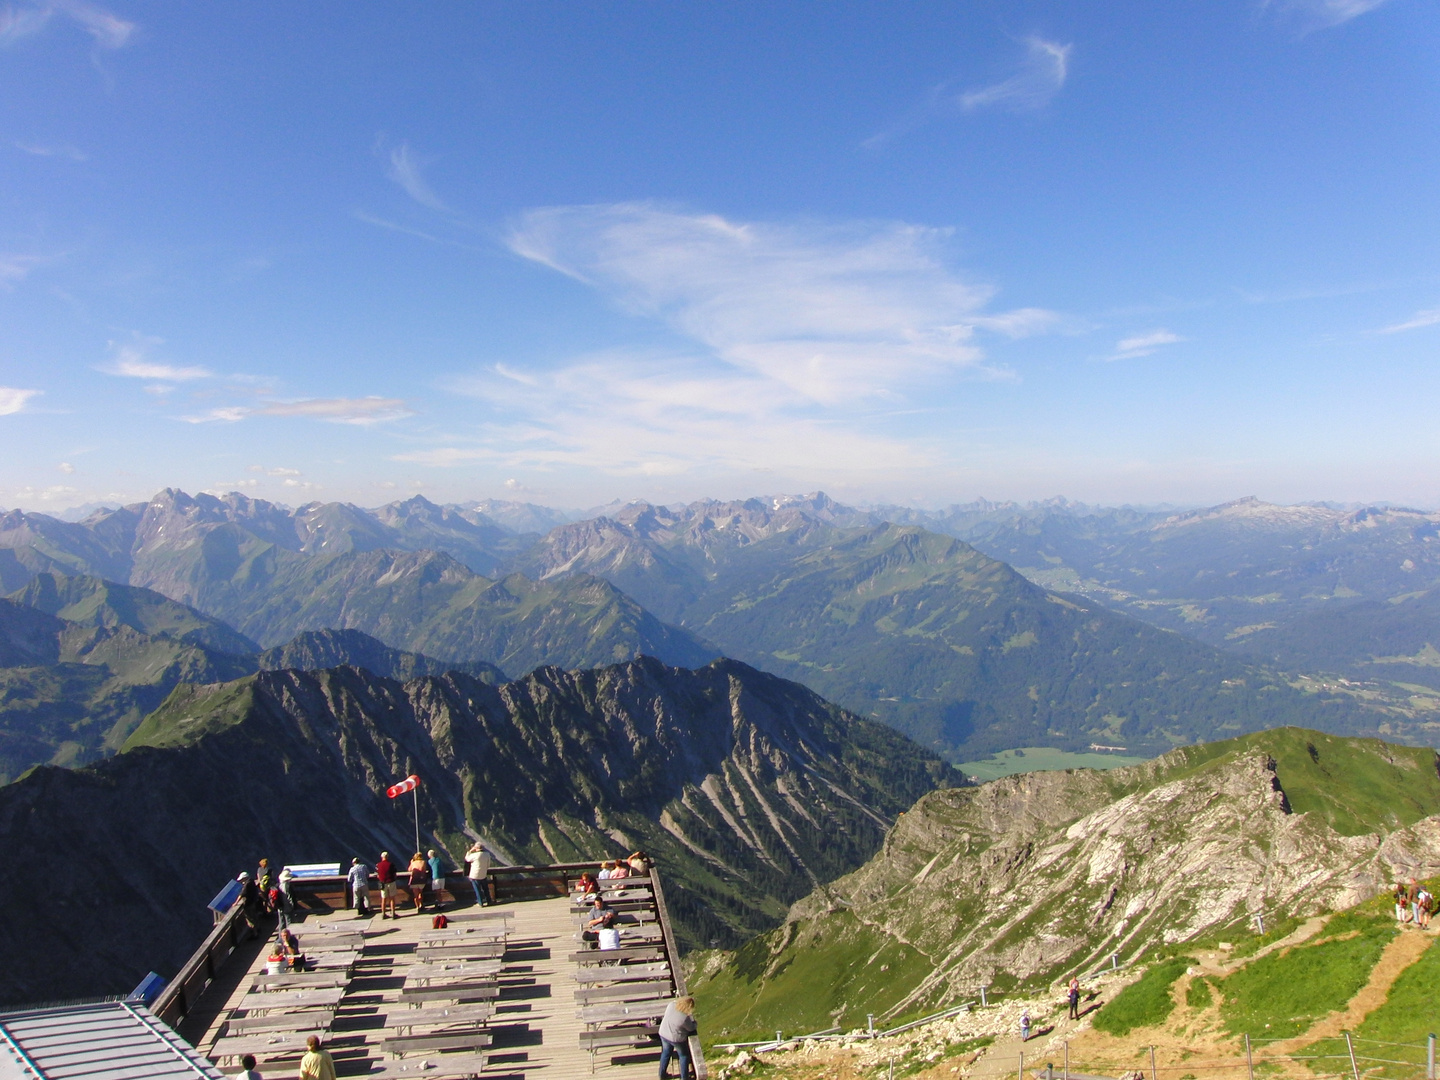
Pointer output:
x,y
746,788
92,601
313,650
1027,879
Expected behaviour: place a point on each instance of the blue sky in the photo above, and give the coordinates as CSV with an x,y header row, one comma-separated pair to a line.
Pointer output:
x,y
1124,252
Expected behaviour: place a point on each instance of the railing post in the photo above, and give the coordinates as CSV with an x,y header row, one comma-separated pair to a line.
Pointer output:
x,y
1021,1074
1153,1074
983,1002
1249,1060
1430,1057
1350,1045
1067,1059
1114,961
870,1027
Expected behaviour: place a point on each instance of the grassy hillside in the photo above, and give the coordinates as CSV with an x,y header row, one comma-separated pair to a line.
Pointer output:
x,y
1032,877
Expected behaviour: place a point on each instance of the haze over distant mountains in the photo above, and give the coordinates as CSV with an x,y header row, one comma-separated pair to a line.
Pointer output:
x,y
973,629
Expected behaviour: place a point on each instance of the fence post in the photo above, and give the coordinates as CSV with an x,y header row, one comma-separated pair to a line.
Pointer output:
x,y
1114,961
1021,1075
1049,1070
870,1024
1350,1045
1067,1059
778,1040
1249,1060
1153,1074
1430,1057
983,1002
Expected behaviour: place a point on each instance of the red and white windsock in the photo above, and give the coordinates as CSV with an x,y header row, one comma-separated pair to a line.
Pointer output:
x,y
404,787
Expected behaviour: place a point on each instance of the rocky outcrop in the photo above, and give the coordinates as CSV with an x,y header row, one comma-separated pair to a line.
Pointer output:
x,y
1033,877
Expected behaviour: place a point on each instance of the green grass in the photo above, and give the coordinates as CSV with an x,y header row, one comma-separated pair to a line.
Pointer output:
x,y
1041,759
1407,1017
1282,994
1144,1003
834,977
1198,995
1357,785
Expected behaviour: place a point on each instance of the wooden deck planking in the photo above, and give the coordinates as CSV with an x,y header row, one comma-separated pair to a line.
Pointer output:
x,y
535,1024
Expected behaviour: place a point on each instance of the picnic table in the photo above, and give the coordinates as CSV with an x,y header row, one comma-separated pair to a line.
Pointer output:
x,y
630,952
451,970
476,990
439,1042
622,974
621,1036
313,979
438,1067
309,1020
460,950
265,1046
634,991
439,1016
609,1012
299,998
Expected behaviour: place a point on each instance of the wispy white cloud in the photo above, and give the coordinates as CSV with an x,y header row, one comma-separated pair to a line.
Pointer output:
x,y
1041,75
1415,322
107,29
131,360
66,467
1144,344
1319,14
362,411
796,336
13,399
65,150
406,169
16,268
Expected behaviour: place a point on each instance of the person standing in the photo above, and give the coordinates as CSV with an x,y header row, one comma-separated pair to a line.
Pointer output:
x,y
419,872
1025,1026
437,877
359,881
247,1069
1074,996
385,877
287,899
676,1028
478,861
1412,901
317,1064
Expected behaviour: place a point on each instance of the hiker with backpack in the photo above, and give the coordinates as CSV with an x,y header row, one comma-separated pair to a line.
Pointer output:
x,y
437,877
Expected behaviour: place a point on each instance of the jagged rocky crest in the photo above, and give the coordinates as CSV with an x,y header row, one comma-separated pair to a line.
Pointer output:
x,y
748,789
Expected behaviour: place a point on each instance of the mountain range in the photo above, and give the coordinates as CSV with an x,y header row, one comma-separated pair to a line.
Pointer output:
x,y
900,620
748,789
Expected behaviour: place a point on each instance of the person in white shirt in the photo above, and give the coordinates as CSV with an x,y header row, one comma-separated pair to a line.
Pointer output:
x,y
478,860
247,1069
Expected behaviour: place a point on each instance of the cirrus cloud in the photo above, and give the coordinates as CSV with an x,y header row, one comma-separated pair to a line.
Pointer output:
x,y
13,399
1139,345
362,411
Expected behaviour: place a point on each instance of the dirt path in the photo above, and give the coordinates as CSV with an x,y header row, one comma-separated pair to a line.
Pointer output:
x,y
1398,955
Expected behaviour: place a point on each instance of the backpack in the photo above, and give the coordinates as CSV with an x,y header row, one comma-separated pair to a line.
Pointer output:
x,y
439,922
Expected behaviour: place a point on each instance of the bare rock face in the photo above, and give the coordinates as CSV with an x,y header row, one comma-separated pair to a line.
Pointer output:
x,y
1032,877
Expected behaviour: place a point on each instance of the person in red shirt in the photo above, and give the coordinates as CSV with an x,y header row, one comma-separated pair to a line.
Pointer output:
x,y
385,875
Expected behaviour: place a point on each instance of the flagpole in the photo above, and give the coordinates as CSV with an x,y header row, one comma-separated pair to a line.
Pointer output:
x,y
416,789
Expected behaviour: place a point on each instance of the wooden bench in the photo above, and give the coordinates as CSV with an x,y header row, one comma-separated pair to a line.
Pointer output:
x,y
634,991
474,991
438,1042
310,1020
438,1016
631,952
481,950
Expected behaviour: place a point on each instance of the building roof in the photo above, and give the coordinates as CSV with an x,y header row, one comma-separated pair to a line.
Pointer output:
x,y
112,1040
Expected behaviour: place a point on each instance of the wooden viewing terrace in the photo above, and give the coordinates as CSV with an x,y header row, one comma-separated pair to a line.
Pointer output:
x,y
515,990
